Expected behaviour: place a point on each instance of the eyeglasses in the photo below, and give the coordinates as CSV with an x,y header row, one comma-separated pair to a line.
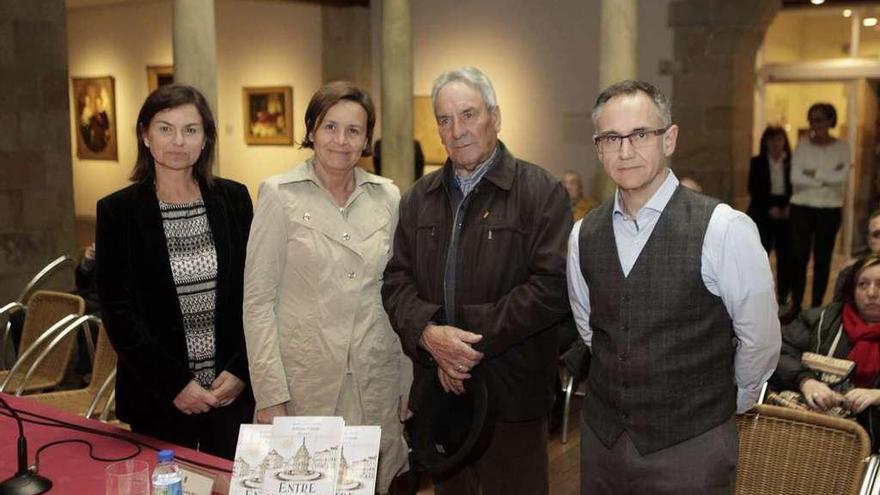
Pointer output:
x,y
637,139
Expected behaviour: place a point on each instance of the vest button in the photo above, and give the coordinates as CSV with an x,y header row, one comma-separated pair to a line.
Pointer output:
x,y
624,298
624,328
624,416
623,356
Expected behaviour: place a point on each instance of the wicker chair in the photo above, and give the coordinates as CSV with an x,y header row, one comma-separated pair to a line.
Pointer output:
x,y
786,452
80,401
44,310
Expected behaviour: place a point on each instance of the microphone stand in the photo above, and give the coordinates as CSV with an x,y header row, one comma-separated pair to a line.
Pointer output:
x,y
25,481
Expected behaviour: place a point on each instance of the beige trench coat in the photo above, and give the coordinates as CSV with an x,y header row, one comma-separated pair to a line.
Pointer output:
x,y
312,305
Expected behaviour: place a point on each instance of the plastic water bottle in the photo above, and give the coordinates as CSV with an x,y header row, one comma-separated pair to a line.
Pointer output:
x,y
166,476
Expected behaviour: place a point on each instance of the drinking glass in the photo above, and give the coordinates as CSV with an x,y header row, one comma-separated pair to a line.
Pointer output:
x,y
131,477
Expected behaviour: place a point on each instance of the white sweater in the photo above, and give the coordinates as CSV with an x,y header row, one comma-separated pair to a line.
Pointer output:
x,y
831,163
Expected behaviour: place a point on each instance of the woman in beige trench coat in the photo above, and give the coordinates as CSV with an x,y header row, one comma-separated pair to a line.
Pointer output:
x,y
319,342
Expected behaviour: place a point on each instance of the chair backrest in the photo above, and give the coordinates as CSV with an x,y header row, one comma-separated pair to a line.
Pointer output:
x,y
43,310
786,451
105,360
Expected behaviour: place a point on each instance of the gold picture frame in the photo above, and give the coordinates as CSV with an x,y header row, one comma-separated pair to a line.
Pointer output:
x,y
268,115
159,75
94,114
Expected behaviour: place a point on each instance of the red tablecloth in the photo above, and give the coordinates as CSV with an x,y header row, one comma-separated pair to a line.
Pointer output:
x,y
69,466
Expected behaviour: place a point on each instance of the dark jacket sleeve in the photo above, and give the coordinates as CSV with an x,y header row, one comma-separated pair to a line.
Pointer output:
x,y
409,314
241,214
541,301
797,338
135,345
759,187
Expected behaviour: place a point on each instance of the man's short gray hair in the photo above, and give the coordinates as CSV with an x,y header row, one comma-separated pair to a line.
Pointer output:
x,y
471,76
629,88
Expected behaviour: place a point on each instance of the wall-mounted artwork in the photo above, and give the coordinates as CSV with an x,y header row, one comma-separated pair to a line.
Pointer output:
x,y
94,111
159,75
425,131
268,115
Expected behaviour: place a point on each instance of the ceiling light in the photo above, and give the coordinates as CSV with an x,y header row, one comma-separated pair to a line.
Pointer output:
x,y
817,2
869,21
847,13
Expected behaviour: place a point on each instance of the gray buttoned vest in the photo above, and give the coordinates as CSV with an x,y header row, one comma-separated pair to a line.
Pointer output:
x,y
663,348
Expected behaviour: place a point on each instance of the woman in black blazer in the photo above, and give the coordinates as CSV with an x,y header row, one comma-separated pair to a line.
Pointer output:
x,y
770,191
170,264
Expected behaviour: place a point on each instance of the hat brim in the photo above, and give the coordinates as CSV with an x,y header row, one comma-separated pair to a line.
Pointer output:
x,y
447,426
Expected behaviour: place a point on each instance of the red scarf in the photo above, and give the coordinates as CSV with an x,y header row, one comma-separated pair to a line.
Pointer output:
x,y
865,339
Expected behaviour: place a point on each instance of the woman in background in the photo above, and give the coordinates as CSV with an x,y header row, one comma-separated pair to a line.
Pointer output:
x,y
170,267
770,192
848,329
819,169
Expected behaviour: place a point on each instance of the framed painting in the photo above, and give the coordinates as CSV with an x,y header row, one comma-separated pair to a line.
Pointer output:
x,y
159,75
94,113
268,115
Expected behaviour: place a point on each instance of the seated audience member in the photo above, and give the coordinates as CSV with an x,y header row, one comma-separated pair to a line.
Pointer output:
x,y
873,237
848,329
580,205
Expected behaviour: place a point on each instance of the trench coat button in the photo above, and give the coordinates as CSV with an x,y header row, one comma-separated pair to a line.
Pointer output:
x,y
345,236
307,216
352,274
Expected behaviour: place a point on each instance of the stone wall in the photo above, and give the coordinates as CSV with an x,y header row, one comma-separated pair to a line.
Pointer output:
x,y
713,82
36,193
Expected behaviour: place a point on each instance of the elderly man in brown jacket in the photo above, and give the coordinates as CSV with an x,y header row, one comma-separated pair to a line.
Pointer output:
x,y
477,280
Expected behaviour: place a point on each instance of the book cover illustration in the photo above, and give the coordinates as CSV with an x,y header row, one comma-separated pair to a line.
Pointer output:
x,y
308,448
253,457
359,460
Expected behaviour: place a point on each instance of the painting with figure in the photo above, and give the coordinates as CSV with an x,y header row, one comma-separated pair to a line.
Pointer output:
x,y
94,113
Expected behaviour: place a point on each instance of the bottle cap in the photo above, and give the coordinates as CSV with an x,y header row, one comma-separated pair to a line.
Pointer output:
x,y
165,455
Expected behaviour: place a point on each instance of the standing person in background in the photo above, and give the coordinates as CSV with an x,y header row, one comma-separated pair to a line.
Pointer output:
x,y
319,341
770,192
819,169
170,261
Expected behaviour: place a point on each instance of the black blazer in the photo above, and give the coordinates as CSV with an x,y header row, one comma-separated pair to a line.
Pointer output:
x,y
759,187
139,303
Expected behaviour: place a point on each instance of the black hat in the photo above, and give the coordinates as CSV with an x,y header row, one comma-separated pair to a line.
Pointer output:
x,y
447,427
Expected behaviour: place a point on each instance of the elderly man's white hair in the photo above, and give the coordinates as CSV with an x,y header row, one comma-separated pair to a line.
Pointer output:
x,y
471,76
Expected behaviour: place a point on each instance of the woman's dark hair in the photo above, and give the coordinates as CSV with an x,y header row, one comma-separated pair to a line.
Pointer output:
x,y
331,94
862,264
771,132
165,98
827,109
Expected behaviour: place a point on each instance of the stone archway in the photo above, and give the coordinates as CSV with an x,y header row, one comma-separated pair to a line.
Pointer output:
x,y
713,89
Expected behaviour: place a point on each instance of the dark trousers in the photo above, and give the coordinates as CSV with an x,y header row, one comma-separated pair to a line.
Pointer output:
x,y
214,432
776,237
812,229
515,462
705,464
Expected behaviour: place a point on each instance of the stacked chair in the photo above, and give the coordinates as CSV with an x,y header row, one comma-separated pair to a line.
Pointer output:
x,y
52,321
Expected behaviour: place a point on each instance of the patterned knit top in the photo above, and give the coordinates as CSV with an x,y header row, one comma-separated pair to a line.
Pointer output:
x,y
194,267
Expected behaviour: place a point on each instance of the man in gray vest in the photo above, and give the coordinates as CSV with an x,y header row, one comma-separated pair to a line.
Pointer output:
x,y
674,294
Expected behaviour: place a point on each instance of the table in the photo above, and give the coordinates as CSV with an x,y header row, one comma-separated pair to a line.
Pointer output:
x,y
69,466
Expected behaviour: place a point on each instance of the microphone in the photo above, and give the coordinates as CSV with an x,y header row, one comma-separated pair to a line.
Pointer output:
x,y
25,481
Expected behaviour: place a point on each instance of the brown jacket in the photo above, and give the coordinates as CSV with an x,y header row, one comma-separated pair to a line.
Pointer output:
x,y
510,282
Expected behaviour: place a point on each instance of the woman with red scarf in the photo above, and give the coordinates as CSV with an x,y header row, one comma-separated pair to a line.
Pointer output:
x,y
849,330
